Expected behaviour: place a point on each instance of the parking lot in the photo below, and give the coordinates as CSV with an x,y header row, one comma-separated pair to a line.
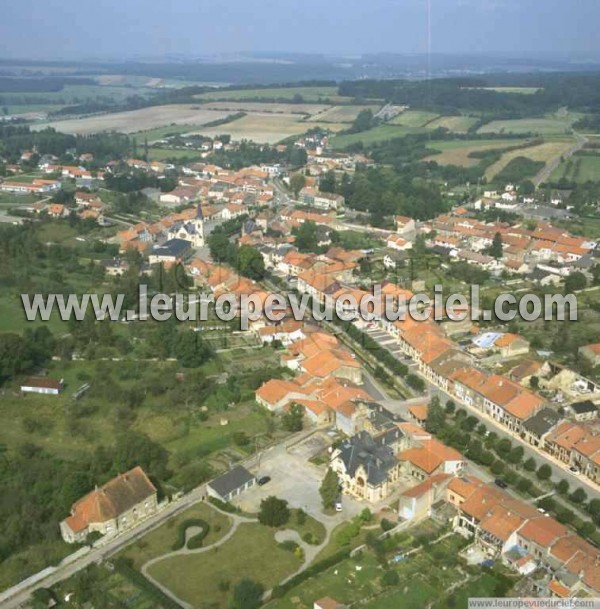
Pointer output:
x,y
295,479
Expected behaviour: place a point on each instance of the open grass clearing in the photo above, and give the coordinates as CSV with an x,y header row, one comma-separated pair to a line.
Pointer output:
x,y
160,541
545,152
458,152
251,553
138,120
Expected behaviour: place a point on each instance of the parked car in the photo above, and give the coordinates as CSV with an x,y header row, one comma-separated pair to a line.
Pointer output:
x,y
338,506
574,470
499,482
263,480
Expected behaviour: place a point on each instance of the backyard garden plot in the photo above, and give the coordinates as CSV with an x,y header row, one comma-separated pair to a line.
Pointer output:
x,y
138,120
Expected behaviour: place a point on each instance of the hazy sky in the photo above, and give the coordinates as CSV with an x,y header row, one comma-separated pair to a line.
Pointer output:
x,y
127,28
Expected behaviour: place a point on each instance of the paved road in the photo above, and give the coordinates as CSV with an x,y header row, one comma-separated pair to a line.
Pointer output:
x,y
559,470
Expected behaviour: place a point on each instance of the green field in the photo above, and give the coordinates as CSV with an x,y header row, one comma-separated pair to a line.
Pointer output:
x,y
542,126
414,118
160,154
380,133
252,553
579,168
287,93
76,94
459,124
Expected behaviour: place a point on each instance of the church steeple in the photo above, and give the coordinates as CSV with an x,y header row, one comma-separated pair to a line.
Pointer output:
x,y
199,214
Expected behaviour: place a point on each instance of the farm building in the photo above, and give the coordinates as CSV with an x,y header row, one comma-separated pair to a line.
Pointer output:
x,y
45,386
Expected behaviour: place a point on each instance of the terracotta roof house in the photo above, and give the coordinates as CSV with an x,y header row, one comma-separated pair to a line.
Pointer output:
x,y
112,508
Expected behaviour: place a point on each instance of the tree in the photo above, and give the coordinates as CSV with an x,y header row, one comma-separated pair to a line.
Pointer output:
x,y
530,464
247,594
273,512
190,350
293,419
329,489
450,407
297,183
306,237
495,250
250,262
544,472
390,578
327,182
562,487
578,496
436,418
575,281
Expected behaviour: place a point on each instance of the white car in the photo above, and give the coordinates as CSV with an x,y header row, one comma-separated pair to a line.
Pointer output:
x,y
574,471
338,506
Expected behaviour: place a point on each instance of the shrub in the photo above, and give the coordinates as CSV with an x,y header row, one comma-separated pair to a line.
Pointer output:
x,y
194,542
390,578
386,525
223,505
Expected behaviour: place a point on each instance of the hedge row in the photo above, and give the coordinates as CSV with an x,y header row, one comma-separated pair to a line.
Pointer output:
x,y
315,569
124,568
223,505
195,541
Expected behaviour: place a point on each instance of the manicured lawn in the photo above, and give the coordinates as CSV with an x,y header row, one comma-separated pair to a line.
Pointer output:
x,y
312,526
251,553
160,540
